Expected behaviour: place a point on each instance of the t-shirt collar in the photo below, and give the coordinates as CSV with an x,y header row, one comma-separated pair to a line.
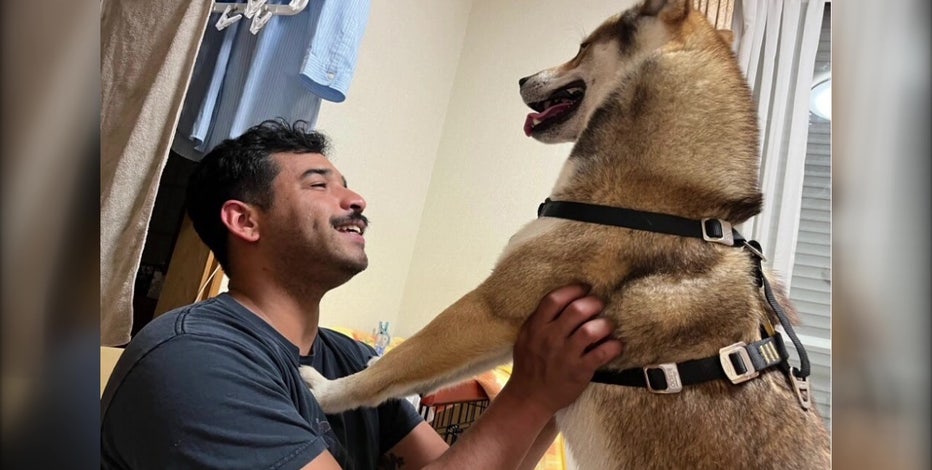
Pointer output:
x,y
261,325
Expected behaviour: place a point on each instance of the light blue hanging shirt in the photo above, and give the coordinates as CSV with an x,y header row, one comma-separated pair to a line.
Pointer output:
x,y
241,79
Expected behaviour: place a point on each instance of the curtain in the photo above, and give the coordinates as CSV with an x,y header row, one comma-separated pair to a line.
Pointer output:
x,y
147,56
777,43
719,12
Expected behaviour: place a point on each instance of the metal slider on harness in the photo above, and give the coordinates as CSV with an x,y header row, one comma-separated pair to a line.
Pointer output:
x,y
717,231
736,362
671,382
801,387
754,251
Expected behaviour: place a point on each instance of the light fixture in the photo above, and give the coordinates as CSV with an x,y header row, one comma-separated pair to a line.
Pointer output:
x,y
820,97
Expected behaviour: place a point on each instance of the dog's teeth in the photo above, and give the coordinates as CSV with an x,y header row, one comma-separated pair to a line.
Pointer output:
x,y
536,121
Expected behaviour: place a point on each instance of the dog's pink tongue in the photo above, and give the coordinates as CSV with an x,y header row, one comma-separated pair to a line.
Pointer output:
x,y
533,119
529,123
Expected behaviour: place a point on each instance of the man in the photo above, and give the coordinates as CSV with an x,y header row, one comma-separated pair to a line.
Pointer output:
x,y
216,384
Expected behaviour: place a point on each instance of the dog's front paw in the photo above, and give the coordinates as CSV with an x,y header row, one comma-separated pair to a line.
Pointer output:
x,y
326,391
313,379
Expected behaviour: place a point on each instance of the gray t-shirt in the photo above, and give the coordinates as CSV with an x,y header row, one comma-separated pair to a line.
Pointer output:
x,y
212,385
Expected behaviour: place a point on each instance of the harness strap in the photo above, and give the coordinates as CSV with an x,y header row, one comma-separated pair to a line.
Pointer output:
x,y
670,377
713,230
737,363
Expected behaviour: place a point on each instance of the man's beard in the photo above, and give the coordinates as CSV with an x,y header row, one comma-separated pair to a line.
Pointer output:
x,y
302,268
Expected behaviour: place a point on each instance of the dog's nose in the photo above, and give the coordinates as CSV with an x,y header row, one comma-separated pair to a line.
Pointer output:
x,y
522,81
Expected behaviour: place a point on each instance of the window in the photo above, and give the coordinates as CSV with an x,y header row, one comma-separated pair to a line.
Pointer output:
x,y
784,51
811,281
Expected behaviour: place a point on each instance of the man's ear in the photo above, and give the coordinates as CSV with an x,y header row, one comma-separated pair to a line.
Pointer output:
x,y
241,220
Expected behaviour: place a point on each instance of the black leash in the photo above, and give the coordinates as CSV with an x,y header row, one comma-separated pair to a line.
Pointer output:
x,y
738,362
804,366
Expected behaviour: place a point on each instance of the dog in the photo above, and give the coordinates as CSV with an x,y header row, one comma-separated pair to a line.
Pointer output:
x,y
663,123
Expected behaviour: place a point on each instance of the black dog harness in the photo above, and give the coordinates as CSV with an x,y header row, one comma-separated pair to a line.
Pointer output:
x,y
738,362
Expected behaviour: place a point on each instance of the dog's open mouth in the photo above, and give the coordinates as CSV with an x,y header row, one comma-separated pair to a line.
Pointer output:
x,y
555,109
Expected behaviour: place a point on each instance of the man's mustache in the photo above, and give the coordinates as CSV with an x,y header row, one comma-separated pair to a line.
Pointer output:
x,y
354,217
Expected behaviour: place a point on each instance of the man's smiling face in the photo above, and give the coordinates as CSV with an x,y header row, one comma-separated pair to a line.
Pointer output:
x,y
315,224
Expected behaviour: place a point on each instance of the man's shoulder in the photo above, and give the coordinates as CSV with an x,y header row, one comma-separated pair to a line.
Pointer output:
x,y
199,337
218,320
196,387
201,322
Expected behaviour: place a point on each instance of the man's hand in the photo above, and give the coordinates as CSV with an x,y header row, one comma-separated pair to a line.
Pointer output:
x,y
560,347
556,353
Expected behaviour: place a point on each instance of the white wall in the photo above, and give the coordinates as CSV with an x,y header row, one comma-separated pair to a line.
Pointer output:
x,y
385,138
489,178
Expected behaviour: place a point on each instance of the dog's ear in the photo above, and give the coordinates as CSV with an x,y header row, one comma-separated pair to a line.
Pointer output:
x,y
667,10
727,35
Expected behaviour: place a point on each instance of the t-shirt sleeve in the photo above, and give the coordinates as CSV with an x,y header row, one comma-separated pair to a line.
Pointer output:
x,y
397,418
209,405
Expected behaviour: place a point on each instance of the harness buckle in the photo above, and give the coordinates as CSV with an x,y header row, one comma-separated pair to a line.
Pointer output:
x,y
717,231
743,369
801,387
671,378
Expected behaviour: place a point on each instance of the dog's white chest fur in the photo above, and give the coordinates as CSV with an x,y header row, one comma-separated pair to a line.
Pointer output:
x,y
587,445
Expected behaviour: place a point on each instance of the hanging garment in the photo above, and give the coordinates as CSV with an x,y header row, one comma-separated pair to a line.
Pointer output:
x,y
242,79
147,53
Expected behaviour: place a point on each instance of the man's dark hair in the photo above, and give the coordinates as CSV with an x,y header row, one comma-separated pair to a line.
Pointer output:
x,y
242,169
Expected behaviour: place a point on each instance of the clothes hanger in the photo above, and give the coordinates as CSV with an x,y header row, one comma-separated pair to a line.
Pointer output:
x,y
258,10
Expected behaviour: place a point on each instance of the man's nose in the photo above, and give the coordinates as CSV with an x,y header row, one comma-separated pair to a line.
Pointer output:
x,y
354,201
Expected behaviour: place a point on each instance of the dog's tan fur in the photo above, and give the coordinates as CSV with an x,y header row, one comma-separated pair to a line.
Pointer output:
x,y
667,125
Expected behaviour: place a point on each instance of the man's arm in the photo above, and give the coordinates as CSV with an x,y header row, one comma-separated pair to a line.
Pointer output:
x,y
539,448
324,461
420,447
424,445
553,365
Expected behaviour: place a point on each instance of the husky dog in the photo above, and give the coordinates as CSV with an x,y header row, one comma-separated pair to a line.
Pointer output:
x,y
664,129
